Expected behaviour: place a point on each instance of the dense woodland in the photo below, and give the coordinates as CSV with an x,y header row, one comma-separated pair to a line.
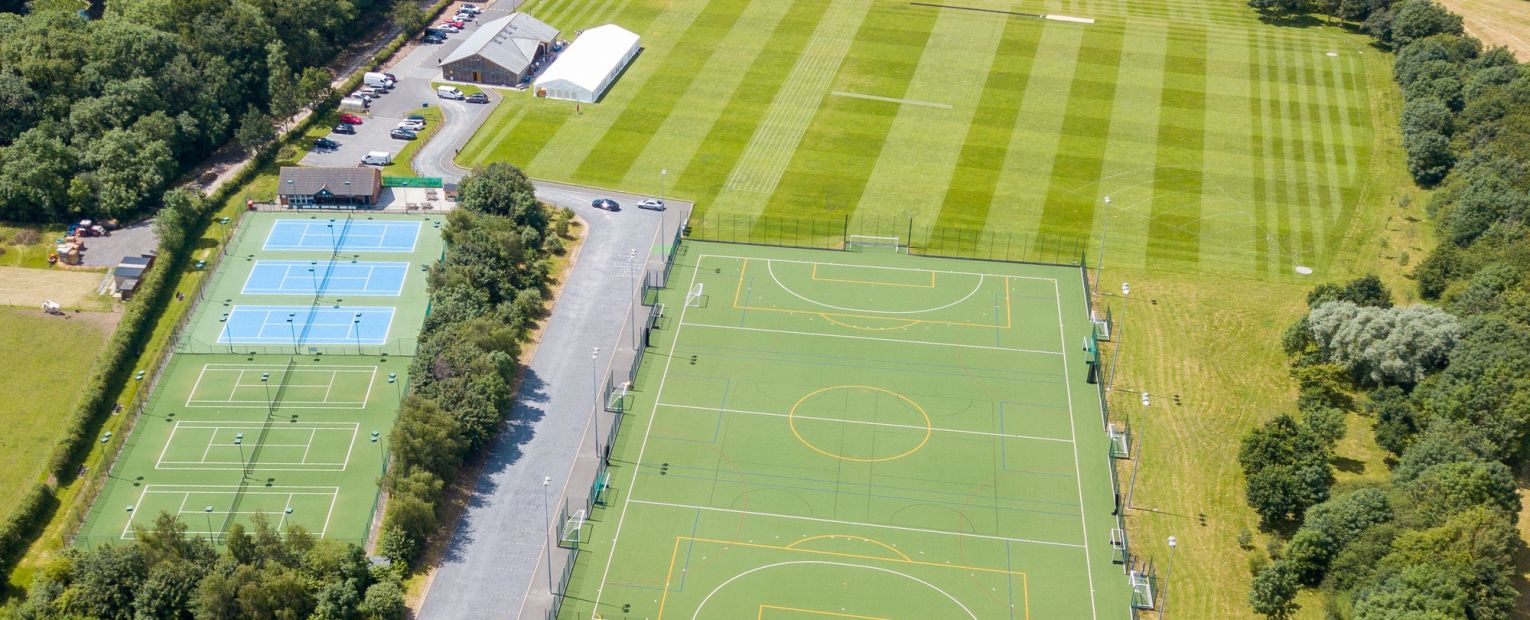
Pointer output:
x,y
101,116
1445,385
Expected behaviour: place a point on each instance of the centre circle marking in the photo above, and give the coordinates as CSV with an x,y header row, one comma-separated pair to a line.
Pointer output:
x,y
791,420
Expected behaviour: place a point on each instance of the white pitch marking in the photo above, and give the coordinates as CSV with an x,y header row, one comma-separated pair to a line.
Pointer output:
x,y
887,424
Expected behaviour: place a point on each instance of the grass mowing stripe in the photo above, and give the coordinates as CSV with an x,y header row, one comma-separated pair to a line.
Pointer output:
x,y
501,124
916,163
970,193
769,150
630,133
1296,149
1174,232
1033,143
691,116
1131,151
1320,109
1259,173
724,144
1085,132
580,138
1231,225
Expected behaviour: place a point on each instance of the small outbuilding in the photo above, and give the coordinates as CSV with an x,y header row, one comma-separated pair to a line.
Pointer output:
x,y
503,51
128,273
587,68
329,187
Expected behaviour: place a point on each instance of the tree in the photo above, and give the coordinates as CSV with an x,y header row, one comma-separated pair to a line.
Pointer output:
x,y
1330,527
1417,19
1412,593
1274,592
314,86
280,87
1286,469
1384,345
104,580
384,601
35,175
1397,421
168,590
1429,157
1484,389
502,189
180,213
255,131
1472,553
1444,490
408,16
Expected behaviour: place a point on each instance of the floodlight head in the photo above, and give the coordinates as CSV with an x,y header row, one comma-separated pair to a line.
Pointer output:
x,y
546,480
207,509
1172,542
1107,198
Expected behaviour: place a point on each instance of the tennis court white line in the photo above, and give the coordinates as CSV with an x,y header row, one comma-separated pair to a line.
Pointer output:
x,y
887,424
771,269
857,523
1078,471
894,340
812,262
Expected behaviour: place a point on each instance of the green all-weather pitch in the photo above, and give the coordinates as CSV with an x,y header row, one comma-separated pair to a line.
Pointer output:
x,y
284,413
858,435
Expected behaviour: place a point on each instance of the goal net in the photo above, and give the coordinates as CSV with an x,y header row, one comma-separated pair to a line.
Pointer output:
x,y
693,298
861,243
569,530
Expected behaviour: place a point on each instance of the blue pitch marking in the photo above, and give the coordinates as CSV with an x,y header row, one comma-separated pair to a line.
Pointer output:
x,y
307,325
359,235
298,277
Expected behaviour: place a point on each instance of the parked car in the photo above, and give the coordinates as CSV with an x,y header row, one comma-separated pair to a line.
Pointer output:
x,y
377,158
411,125
350,119
469,8
456,23
392,79
606,203
652,204
367,97
433,39
447,26
435,31
448,92
477,98
345,128
325,144
402,134
463,17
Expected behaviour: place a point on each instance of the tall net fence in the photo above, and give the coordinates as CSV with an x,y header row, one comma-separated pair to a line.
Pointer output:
x,y
839,233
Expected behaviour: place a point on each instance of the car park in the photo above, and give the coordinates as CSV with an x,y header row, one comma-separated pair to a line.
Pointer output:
x,y
345,128
350,119
477,98
651,204
402,134
325,144
606,204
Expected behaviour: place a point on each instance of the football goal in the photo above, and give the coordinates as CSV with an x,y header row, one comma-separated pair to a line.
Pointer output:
x,y
693,298
862,243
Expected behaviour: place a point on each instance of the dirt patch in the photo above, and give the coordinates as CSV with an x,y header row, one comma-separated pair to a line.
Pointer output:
x,y
30,287
1497,22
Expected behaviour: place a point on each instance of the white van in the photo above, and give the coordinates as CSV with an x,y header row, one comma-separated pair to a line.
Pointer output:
x,y
377,80
378,158
448,92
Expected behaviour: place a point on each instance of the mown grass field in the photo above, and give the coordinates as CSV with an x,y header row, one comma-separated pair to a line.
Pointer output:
x,y
41,354
1226,144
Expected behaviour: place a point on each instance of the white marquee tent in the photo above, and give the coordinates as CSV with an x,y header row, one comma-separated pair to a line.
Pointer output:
x,y
586,69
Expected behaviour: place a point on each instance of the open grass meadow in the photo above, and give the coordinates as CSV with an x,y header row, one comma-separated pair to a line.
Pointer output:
x,y
40,355
1226,144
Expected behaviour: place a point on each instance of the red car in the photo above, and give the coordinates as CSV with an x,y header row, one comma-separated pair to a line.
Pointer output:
x,y
456,22
350,119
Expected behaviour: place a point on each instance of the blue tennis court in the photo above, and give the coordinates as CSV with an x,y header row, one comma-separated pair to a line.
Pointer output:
x,y
301,277
299,325
350,235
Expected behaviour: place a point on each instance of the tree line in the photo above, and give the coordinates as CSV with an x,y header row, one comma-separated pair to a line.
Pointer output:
x,y
101,116
1444,385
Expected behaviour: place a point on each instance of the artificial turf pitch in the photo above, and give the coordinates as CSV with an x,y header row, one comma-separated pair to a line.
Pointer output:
x,y
1226,144
294,428
858,435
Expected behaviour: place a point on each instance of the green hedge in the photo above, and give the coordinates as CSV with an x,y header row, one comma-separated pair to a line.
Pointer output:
x,y
22,523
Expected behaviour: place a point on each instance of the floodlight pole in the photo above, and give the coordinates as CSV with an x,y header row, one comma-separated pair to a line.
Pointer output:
x,y
547,522
356,323
208,510
243,466
265,381
291,326
1099,261
596,405
1164,612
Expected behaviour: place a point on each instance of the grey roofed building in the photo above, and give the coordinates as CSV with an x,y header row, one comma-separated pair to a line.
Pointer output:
x,y
502,51
346,187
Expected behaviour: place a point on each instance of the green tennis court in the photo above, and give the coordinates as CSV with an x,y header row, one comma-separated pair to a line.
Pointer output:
x,y
858,435
217,445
